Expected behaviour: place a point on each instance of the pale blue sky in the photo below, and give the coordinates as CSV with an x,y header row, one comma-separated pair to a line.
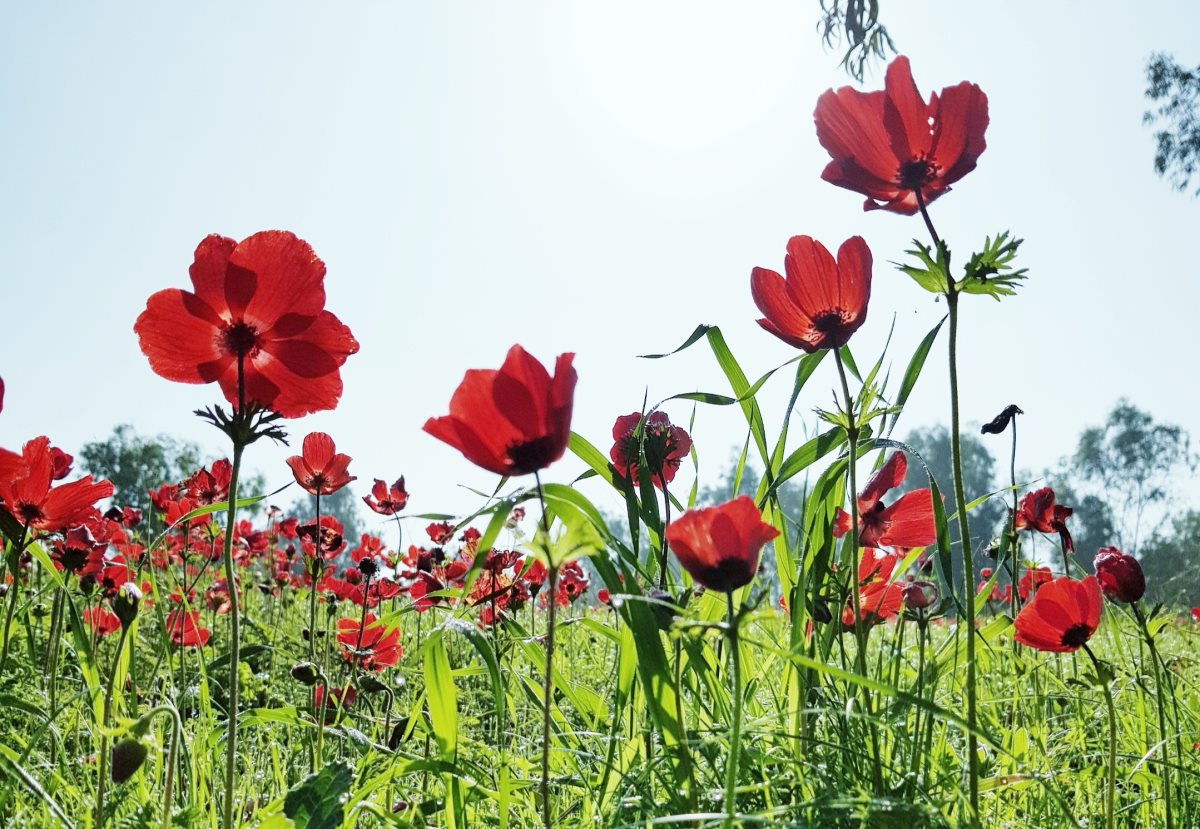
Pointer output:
x,y
595,177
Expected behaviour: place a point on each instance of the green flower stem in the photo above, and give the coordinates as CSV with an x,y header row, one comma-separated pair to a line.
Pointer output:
x,y
1160,704
735,727
102,782
860,629
14,559
234,636
548,688
1110,793
963,526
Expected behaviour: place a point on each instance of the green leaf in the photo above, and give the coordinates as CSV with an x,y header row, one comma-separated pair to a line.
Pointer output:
x,y
991,271
441,695
316,803
933,274
700,331
917,363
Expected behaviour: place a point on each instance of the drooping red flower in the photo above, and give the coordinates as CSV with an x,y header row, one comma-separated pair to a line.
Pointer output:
x,y
184,630
1038,512
719,545
514,421
369,642
1196,614
889,145
1062,616
28,495
1,394
919,595
821,303
319,468
340,699
1120,576
60,463
261,303
387,500
665,446
907,523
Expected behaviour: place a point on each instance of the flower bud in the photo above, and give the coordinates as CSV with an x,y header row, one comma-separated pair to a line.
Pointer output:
x,y
1120,576
127,757
125,603
368,567
920,595
305,673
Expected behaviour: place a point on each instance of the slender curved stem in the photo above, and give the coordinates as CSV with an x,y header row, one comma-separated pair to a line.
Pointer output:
x,y
102,782
963,526
1160,704
14,565
1110,794
234,636
735,733
548,687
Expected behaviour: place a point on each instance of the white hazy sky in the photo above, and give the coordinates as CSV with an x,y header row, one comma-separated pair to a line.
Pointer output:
x,y
589,176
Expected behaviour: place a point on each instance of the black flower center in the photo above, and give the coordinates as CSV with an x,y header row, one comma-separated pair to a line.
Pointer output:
x,y
240,338
29,512
918,172
532,455
828,322
1076,636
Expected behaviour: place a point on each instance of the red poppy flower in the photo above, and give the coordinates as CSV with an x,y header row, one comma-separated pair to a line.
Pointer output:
x,y
319,469
339,698
1196,614
821,303
371,643
183,629
719,545
1062,616
60,463
514,421
889,144
210,487
28,495
101,621
1038,512
664,445
877,601
387,500
261,303
919,595
1032,580
1120,576
906,523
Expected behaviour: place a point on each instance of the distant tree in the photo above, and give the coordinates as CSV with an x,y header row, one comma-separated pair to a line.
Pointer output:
x,y
1176,90
137,464
1130,463
1171,559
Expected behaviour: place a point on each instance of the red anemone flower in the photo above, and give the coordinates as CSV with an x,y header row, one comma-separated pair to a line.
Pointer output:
x,y
101,621
906,523
1039,512
370,643
387,500
513,421
319,469
27,493
664,445
877,602
183,629
1196,614
719,545
258,304
1032,580
1062,616
821,303
1120,576
890,145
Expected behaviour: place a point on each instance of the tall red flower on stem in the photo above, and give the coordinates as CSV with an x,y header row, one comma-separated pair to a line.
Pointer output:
x,y
906,523
514,421
261,303
369,642
387,500
820,303
719,545
664,445
184,630
890,144
319,468
1062,616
